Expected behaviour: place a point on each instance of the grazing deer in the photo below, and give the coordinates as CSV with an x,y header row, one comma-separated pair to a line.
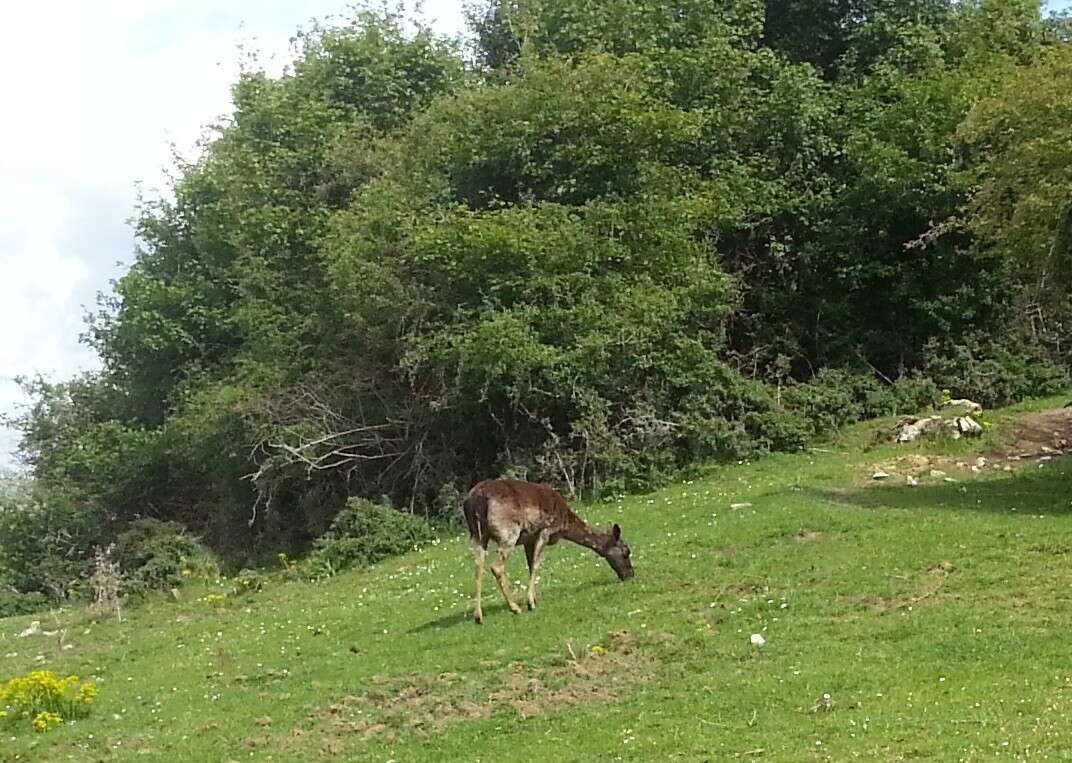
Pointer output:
x,y
510,512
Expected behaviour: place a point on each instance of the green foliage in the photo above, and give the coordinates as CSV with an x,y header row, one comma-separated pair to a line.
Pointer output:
x,y
248,582
365,533
644,234
843,38
836,398
1016,157
156,556
13,603
46,542
996,370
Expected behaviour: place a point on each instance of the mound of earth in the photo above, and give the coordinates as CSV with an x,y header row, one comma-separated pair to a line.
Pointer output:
x,y
1040,435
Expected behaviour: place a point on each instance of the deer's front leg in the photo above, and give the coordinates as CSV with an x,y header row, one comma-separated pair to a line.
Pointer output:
x,y
498,569
534,553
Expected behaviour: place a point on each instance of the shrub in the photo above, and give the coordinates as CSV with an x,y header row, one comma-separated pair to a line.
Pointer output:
x,y
155,555
45,700
365,533
995,371
13,603
248,582
834,398
46,542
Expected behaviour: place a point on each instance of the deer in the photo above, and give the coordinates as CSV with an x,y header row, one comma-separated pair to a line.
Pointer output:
x,y
512,512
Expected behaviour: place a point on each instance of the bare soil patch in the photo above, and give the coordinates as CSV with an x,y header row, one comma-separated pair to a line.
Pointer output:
x,y
1040,435
392,707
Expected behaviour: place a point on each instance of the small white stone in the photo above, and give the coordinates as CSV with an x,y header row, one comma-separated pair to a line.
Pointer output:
x,y
880,475
757,639
911,481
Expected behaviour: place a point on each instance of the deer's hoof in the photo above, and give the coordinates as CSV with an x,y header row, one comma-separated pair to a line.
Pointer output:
x,y
532,605
515,609
478,618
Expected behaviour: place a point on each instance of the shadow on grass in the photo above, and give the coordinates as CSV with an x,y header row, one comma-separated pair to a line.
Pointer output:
x,y
461,617
1029,491
496,607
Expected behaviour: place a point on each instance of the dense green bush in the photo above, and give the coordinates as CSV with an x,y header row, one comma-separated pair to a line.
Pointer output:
x,y
46,542
995,370
13,603
154,555
647,235
365,533
835,398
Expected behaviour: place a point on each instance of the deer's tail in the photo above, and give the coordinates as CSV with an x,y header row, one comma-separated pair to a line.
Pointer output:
x,y
475,509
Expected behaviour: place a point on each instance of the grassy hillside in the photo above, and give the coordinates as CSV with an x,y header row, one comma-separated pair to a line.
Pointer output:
x,y
925,622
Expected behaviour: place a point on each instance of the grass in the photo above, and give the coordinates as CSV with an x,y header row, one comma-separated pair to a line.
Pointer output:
x,y
900,622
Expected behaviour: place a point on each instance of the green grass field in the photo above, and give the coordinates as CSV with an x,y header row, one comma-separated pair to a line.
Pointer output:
x,y
928,623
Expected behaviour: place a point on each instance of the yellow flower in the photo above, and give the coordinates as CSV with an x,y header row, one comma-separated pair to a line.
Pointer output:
x,y
45,698
45,720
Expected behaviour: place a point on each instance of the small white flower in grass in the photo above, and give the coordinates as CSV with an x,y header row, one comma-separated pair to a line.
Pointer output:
x,y
757,639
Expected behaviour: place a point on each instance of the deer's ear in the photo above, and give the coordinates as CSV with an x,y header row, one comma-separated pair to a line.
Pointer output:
x,y
616,532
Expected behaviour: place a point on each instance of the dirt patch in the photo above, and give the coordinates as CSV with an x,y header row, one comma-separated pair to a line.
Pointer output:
x,y
807,536
391,707
1039,434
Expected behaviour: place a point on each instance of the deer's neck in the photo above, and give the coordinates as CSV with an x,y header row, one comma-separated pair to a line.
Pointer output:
x,y
583,534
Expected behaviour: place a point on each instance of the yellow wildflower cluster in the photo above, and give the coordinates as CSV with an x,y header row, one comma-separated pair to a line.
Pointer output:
x,y
45,699
45,720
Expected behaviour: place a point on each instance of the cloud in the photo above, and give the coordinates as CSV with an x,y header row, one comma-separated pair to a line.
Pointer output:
x,y
94,95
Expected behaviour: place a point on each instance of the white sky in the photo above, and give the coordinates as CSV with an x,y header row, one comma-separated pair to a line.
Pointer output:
x,y
94,94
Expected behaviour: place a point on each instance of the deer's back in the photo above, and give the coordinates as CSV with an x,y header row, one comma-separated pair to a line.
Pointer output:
x,y
526,508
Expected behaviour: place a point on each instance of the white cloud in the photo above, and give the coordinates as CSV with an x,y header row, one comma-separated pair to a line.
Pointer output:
x,y
94,94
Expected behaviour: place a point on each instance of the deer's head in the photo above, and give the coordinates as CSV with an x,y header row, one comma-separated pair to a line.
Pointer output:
x,y
616,552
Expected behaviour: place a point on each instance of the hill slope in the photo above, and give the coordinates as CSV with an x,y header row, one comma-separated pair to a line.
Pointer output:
x,y
927,622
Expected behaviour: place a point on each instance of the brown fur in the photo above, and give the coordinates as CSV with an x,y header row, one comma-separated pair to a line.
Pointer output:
x,y
512,512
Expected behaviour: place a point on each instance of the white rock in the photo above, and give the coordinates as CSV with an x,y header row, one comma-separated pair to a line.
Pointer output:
x,y
966,425
937,473
736,506
912,429
911,481
33,630
757,639
967,405
880,475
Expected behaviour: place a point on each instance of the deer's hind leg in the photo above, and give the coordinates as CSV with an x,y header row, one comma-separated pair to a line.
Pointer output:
x,y
498,569
534,553
479,552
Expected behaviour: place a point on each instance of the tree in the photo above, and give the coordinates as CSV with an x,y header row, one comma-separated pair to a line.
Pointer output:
x,y
1016,149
